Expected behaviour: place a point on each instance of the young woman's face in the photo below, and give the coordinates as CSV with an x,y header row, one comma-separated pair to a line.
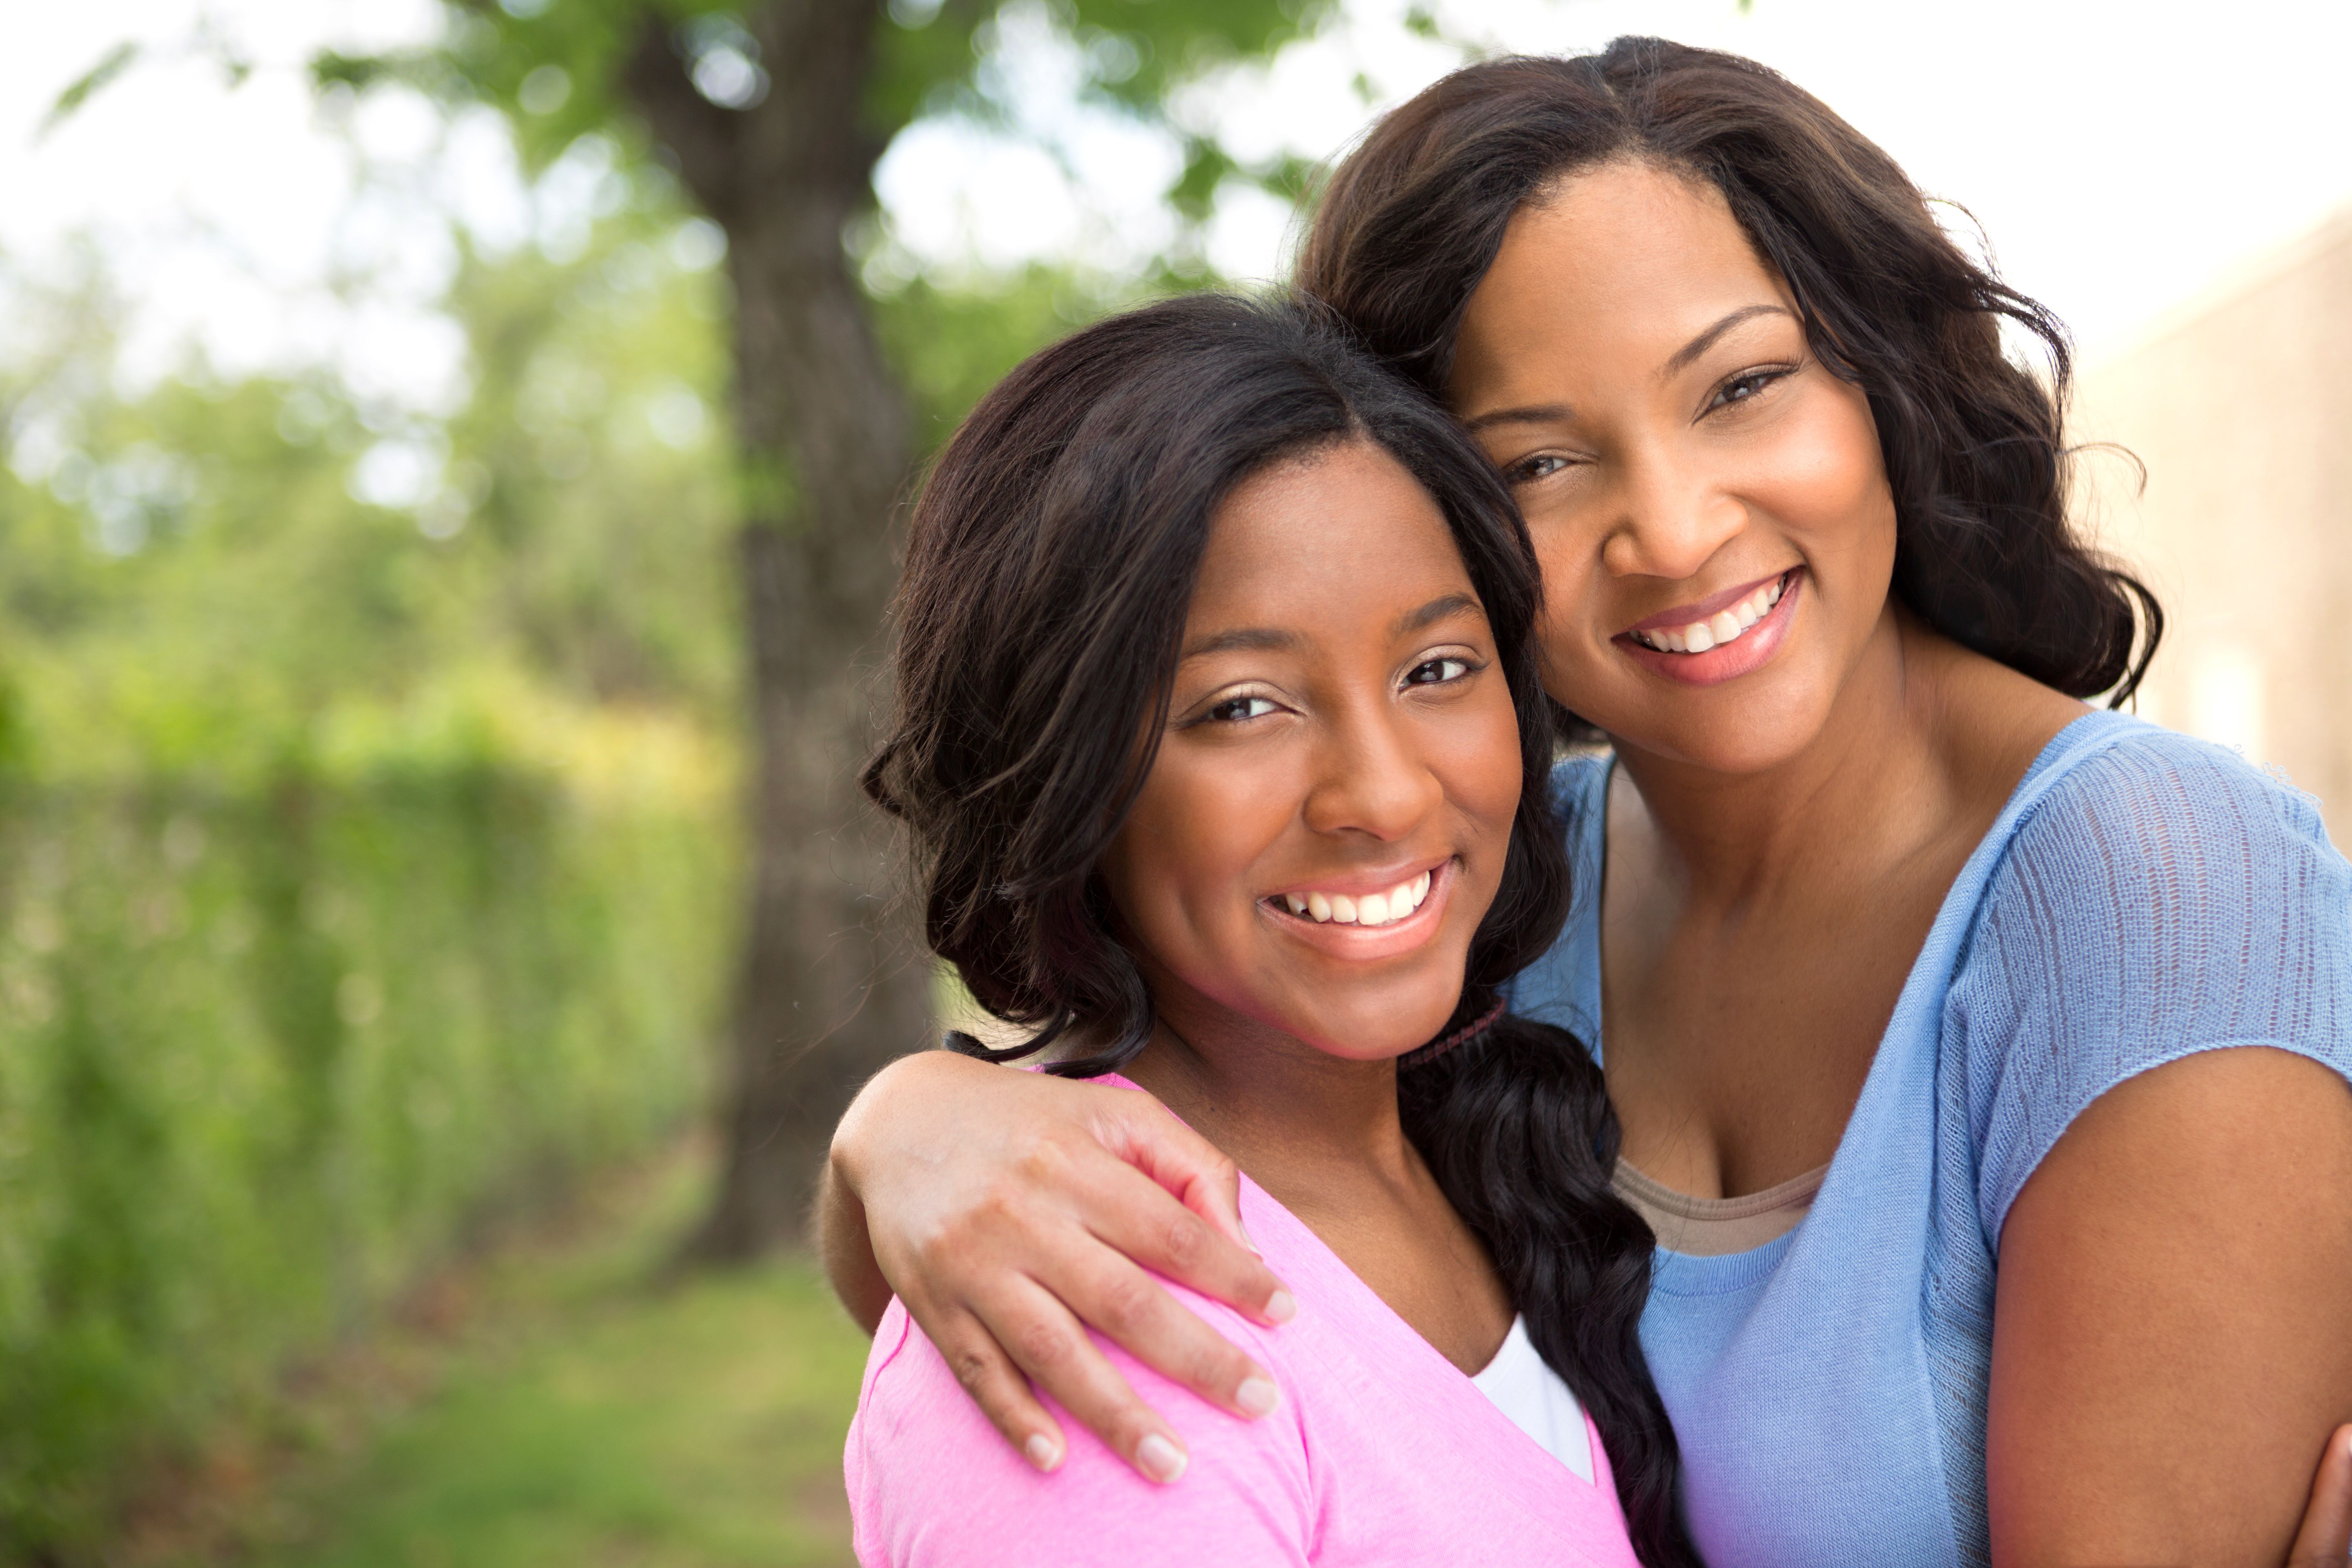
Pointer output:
x,y
1709,503
1327,819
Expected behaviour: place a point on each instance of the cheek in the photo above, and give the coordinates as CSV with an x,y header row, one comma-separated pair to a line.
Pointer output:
x,y
1484,774
1565,559
1828,486
1178,870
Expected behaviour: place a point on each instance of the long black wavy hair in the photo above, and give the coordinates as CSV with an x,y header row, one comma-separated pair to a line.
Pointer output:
x,y
1410,221
1051,562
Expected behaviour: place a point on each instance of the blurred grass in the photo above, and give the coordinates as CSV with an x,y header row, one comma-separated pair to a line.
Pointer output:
x,y
594,1411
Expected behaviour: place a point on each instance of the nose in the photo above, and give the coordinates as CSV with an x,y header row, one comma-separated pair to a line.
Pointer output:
x,y
1370,779
1670,518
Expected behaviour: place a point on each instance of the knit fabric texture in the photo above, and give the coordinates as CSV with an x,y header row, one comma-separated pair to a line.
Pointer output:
x,y
2143,897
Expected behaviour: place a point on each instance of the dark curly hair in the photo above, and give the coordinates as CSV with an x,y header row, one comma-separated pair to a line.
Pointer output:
x,y
1413,218
1051,563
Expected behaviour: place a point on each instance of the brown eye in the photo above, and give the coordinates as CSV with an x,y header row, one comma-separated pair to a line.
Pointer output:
x,y
1542,466
1234,709
1740,388
1437,671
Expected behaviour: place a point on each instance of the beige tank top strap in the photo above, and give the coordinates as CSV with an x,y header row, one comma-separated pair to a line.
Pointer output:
x,y
1716,1228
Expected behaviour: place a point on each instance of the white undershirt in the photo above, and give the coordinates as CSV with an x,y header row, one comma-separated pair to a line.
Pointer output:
x,y
1523,1386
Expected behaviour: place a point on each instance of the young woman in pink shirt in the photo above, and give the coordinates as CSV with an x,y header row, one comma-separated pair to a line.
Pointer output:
x,y
1221,742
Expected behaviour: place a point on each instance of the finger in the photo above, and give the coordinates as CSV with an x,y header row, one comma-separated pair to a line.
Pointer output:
x,y
1135,1311
1003,1394
1201,1243
1145,1133
2326,1532
997,1386
1133,1214
1048,1344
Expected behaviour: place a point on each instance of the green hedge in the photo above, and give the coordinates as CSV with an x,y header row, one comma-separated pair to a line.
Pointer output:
x,y
264,1055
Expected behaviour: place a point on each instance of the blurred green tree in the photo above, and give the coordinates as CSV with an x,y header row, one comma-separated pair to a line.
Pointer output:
x,y
772,115
362,857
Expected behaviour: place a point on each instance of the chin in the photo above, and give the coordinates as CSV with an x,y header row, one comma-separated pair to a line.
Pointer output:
x,y
1376,1034
1736,750
1735,730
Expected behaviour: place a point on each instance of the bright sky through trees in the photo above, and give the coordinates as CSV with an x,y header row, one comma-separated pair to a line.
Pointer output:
x,y
2122,157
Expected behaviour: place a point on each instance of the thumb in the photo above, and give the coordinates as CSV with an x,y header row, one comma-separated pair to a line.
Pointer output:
x,y
2326,1533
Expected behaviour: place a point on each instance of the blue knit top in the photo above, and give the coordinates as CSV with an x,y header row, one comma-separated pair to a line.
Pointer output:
x,y
2142,896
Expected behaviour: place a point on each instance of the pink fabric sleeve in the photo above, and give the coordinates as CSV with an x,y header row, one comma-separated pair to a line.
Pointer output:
x,y
958,1497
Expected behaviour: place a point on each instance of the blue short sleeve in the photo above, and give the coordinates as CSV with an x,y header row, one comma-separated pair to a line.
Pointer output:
x,y
1563,987
2164,898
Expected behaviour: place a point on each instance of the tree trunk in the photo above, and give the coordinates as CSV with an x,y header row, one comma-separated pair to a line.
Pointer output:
x,y
828,987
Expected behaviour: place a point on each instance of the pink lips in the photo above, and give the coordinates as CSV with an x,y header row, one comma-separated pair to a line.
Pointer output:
x,y
1726,661
1356,884
1368,943
1708,608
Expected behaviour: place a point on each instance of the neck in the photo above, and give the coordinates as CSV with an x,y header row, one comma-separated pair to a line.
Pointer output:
x,y
1299,1119
1872,781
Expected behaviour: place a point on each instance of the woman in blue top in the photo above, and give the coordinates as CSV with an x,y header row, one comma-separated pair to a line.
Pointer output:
x,y
1880,929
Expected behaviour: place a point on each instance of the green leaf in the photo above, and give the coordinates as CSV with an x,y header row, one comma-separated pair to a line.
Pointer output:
x,y
331,69
112,64
1206,165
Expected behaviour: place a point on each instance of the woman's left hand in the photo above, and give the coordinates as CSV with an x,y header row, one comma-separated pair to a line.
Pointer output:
x,y
2325,1538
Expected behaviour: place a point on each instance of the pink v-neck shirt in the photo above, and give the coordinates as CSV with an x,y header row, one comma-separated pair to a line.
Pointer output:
x,y
1381,1452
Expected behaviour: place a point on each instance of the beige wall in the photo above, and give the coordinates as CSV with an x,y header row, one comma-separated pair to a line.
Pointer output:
x,y
2241,406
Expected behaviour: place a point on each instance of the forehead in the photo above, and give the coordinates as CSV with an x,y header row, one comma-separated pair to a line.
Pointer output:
x,y
1306,542
1628,259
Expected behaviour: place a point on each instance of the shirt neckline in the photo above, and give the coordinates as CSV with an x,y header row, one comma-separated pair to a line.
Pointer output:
x,y
1694,1274
1319,1256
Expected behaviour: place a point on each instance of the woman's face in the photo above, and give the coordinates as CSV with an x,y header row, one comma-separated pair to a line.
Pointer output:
x,y
1708,501
1327,819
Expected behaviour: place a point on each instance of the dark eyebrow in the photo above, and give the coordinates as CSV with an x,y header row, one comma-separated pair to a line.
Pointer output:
x,y
1268,639
1436,610
1543,414
1555,413
1706,339
1250,639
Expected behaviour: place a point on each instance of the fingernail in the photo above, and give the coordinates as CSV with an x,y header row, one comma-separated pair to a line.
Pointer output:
x,y
1042,1451
1256,1396
1280,1307
1160,1459
1247,1240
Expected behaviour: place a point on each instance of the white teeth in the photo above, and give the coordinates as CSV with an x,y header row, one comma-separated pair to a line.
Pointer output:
x,y
1723,627
1371,909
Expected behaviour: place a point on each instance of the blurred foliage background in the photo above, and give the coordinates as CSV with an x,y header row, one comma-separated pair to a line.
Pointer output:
x,y
361,867
372,834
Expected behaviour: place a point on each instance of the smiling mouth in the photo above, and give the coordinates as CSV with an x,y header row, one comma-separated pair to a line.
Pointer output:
x,y
1726,626
1368,910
